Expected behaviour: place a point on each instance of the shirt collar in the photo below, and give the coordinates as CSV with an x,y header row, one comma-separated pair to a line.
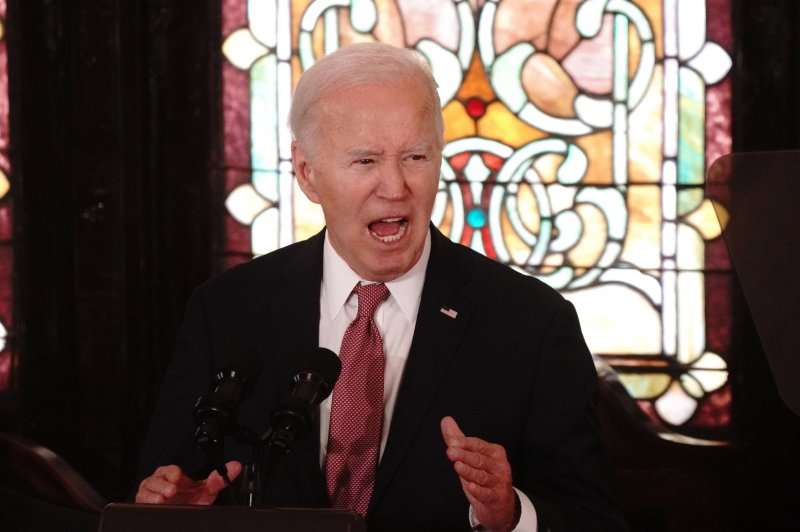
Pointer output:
x,y
338,280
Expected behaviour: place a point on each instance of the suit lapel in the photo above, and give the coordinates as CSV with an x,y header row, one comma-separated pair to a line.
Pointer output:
x,y
442,319
299,313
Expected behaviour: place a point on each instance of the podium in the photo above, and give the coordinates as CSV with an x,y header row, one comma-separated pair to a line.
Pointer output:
x,y
119,517
757,194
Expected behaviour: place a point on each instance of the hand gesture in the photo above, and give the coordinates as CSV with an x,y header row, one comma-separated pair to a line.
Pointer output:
x,y
485,476
169,485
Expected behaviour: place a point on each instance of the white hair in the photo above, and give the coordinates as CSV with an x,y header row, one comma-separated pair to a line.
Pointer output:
x,y
354,66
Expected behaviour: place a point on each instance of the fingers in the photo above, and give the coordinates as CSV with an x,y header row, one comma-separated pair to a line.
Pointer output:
x,y
473,452
450,431
215,483
483,456
160,486
485,475
170,473
168,485
234,469
475,478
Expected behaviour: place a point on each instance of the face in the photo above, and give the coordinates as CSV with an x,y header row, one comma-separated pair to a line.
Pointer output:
x,y
375,172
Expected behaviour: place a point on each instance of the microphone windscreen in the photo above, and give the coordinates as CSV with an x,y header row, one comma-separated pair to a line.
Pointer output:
x,y
323,362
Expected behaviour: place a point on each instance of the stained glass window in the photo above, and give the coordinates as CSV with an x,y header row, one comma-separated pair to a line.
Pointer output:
x,y
578,135
6,355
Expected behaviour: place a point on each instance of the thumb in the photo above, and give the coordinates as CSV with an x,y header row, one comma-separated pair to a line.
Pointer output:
x,y
450,431
215,483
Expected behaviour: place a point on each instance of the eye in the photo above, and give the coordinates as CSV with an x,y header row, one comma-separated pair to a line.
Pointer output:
x,y
365,161
417,157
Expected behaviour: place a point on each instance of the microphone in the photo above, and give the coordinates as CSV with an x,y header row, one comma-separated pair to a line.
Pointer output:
x,y
311,384
215,413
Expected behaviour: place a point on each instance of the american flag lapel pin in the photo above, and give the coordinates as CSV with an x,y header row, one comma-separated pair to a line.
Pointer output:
x,y
450,313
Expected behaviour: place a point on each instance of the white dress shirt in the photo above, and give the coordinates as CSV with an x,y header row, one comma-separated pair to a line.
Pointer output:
x,y
396,319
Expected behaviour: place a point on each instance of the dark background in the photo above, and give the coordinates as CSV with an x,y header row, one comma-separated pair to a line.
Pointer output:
x,y
116,149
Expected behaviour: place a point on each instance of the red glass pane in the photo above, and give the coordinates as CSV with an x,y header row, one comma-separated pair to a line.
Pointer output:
x,y
6,264
234,15
476,107
5,222
715,410
5,370
6,313
236,116
718,312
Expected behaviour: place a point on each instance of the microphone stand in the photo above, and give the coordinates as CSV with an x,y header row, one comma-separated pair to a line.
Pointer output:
x,y
251,475
267,452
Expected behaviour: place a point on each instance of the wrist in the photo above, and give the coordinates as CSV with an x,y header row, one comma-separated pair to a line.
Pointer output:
x,y
514,522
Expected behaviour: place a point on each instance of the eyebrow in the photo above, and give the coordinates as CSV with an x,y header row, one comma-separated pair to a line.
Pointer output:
x,y
359,153
422,146
363,152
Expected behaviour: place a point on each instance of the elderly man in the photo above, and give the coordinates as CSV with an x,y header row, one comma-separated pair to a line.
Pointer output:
x,y
433,339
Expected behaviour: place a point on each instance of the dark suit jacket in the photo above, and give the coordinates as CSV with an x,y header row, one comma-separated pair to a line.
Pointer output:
x,y
512,368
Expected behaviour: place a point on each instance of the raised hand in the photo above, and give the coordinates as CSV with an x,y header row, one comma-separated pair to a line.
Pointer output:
x,y
485,476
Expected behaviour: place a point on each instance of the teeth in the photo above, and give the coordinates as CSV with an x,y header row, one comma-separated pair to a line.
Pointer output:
x,y
391,238
391,219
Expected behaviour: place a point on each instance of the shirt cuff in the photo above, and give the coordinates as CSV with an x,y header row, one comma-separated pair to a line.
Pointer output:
x,y
527,521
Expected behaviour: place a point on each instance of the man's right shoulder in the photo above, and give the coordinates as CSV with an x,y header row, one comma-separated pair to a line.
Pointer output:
x,y
276,267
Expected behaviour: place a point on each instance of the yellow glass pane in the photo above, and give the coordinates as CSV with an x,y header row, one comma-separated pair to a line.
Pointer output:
x,y
457,123
643,242
475,84
646,136
691,316
654,11
518,249
592,242
691,248
634,51
611,312
547,166
705,219
598,146
4,184
308,218
501,124
646,385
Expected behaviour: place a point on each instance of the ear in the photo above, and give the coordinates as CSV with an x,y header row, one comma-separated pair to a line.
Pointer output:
x,y
304,172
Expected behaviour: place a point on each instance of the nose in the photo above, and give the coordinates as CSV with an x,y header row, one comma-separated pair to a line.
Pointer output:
x,y
392,184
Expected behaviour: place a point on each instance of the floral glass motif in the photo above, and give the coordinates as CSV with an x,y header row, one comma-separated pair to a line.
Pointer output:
x,y
6,355
578,134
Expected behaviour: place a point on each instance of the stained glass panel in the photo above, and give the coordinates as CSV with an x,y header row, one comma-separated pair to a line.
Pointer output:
x,y
578,135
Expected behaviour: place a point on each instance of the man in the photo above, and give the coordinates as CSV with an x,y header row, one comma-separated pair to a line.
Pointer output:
x,y
462,339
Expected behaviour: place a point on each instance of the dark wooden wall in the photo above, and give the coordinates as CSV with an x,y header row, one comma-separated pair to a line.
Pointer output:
x,y
115,149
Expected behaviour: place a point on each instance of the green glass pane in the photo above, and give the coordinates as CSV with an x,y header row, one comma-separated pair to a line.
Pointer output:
x,y
692,143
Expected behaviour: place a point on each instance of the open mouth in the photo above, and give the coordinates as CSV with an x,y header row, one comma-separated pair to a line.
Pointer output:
x,y
388,230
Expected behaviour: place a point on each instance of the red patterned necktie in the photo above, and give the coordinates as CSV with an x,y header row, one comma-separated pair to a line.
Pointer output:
x,y
357,409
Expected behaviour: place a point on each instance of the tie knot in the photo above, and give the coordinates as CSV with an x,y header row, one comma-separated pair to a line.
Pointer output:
x,y
369,297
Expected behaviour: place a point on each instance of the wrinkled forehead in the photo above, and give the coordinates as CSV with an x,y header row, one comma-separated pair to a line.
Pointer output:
x,y
371,105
